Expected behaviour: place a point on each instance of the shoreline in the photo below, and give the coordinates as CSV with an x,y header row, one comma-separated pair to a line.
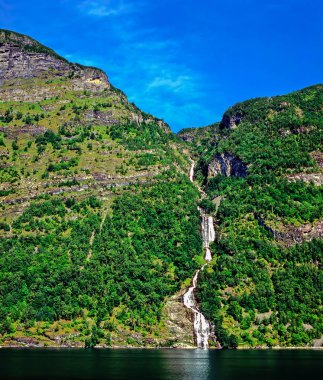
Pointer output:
x,y
277,348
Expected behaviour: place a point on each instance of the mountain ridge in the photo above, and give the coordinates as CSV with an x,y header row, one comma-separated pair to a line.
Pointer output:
x,y
99,225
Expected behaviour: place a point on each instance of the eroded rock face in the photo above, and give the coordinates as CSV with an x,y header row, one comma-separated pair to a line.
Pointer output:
x,y
227,165
290,235
179,322
317,177
100,118
89,79
231,121
187,136
21,57
33,130
15,62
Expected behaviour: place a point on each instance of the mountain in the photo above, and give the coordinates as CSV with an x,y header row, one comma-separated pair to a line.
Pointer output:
x,y
261,168
108,218
98,222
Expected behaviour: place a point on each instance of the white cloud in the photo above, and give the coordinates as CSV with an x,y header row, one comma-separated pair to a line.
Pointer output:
x,y
104,8
175,84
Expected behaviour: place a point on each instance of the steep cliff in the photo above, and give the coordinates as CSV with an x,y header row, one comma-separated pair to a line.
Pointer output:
x,y
24,57
227,165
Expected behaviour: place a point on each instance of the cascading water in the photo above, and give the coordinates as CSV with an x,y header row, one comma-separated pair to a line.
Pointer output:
x,y
201,325
208,233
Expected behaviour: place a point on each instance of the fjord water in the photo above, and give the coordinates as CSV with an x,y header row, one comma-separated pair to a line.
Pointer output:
x,y
112,364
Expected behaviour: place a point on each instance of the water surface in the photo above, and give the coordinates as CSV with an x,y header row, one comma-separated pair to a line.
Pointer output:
x,y
160,364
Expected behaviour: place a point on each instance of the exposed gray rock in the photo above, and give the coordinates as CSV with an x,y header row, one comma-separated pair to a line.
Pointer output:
x,y
231,121
33,130
187,136
316,178
89,79
179,321
23,57
227,165
99,117
318,342
260,317
290,235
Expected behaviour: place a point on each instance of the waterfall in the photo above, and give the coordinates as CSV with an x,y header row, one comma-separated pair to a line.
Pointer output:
x,y
192,171
201,325
208,233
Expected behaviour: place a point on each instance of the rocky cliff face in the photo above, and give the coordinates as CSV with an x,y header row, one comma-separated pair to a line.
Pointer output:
x,y
231,120
187,135
227,165
179,321
21,57
290,235
316,177
199,136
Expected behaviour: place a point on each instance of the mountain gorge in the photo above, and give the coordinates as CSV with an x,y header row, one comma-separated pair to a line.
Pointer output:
x,y
100,224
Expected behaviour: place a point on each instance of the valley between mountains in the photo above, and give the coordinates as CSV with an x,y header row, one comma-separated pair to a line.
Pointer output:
x,y
116,232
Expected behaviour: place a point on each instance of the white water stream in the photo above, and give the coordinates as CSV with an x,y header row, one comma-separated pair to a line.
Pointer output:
x,y
201,325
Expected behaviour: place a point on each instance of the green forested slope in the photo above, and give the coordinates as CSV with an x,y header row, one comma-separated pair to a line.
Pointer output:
x,y
98,224
264,286
64,262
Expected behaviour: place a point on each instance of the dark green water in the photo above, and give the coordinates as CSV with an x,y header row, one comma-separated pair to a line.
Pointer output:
x,y
160,364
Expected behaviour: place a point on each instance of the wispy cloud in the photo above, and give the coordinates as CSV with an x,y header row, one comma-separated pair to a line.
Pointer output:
x,y
148,66
105,8
176,84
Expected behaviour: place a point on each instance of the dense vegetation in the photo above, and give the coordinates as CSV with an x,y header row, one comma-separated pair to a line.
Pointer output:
x,y
115,271
98,224
262,288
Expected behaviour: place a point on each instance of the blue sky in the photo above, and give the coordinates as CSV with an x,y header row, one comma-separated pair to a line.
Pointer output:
x,y
183,61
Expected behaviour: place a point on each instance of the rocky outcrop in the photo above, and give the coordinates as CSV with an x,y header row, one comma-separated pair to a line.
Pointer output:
x,y
99,117
89,79
187,135
200,135
22,57
290,235
318,342
179,321
164,126
228,165
32,130
16,63
317,177
231,121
